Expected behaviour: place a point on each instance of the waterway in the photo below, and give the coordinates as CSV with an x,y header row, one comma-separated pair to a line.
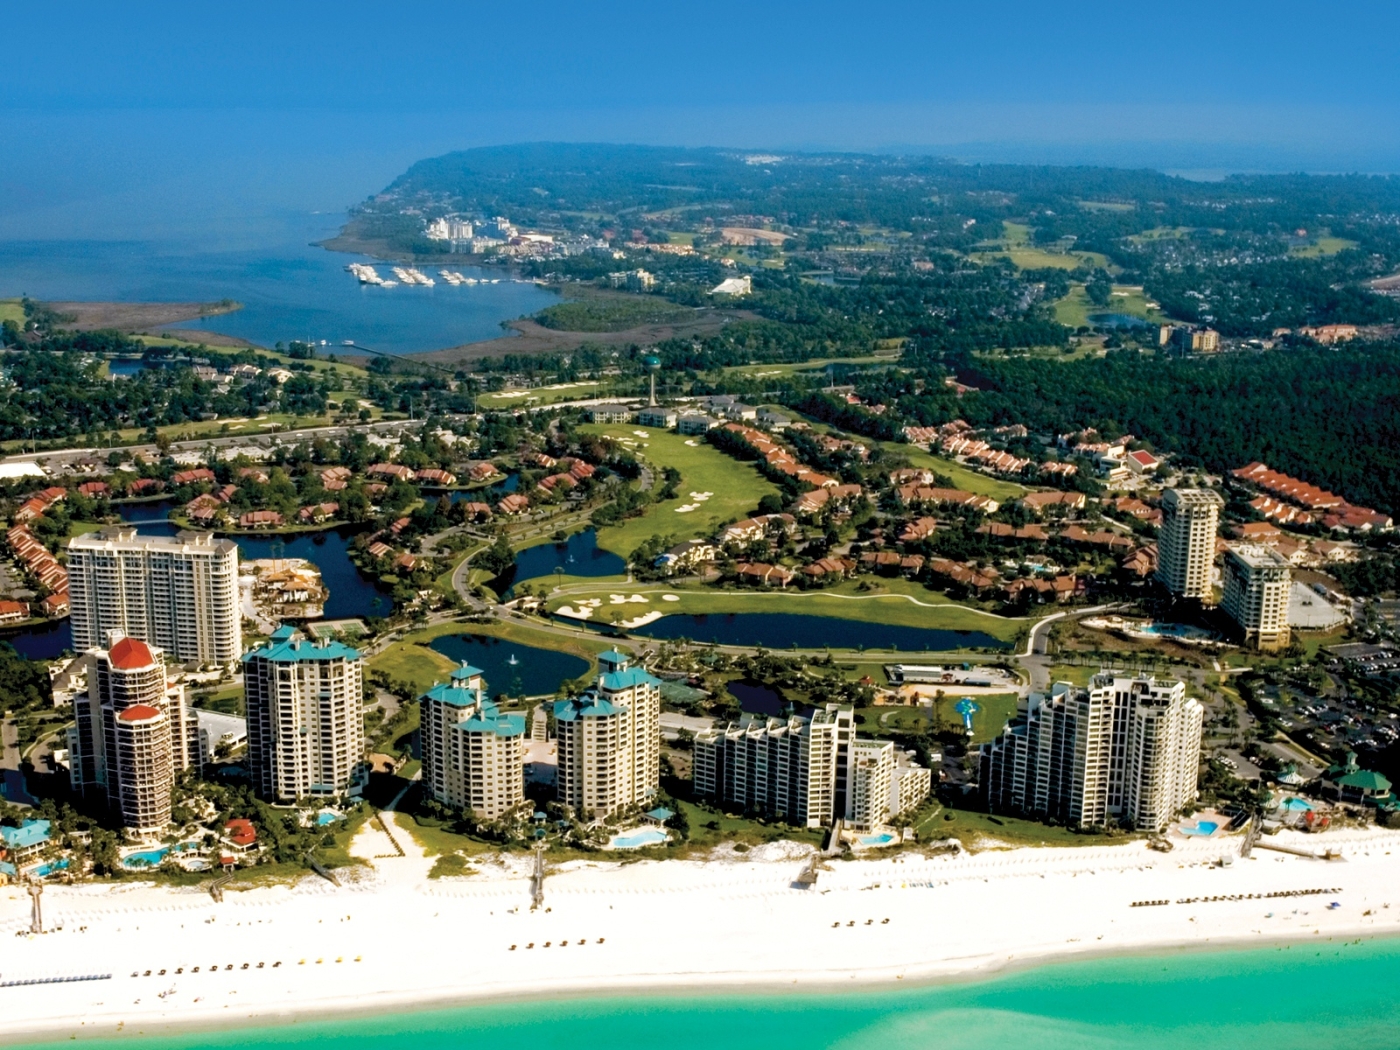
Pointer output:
x,y
579,555
509,667
289,289
1299,998
784,630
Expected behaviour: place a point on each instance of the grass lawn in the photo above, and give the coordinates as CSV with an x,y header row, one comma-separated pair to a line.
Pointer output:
x,y
1079,675
736,486
1074,309
987,722
971,829
1322,246
964,478
586,646
792,368
411,662
899,603
541,395
737,829
11,310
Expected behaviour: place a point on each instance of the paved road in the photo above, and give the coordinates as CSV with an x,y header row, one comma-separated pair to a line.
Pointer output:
x,y
62,457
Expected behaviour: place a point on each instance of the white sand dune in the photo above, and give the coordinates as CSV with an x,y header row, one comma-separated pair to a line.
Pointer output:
x,y
394,939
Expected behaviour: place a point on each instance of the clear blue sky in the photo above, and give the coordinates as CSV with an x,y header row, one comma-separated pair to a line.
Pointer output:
x,y
105,108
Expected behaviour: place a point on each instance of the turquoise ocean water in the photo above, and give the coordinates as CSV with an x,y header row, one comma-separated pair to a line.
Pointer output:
x,y
1306,996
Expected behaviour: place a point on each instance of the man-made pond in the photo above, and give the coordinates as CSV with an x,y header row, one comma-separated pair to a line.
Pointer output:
x,y
782,630
757,699
579,555
509,667
1115,320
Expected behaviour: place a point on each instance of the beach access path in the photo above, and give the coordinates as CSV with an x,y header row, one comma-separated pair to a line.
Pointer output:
x,y
393,939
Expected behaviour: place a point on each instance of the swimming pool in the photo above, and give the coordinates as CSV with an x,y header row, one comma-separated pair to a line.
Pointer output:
x,y
326,817
638,838
48,869
151,858
1201,829
882,839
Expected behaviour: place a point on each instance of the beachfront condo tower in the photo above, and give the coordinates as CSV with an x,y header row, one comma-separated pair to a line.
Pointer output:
x,y
473,755
131,734
1257,581
1123,751
179,593
808,771
610,741
306,729
1186,541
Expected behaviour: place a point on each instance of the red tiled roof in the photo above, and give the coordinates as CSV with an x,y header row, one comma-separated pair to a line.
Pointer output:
x,y
139,713
129,654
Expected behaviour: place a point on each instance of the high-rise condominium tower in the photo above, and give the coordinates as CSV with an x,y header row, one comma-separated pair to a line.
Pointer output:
x,y
610,740
306,729
1257,581
132,734
179,593
473,754
1125,750
1186,541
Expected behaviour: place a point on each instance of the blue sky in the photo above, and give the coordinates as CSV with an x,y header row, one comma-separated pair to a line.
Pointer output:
x,y
117,119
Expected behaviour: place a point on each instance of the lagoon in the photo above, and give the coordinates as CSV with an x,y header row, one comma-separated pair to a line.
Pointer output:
x,y
535,672
783,630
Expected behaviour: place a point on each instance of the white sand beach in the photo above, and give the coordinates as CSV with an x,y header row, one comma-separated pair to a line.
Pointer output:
x,y
396,938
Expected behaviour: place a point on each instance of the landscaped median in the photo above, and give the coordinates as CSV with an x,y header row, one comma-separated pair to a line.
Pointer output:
x,y
896,604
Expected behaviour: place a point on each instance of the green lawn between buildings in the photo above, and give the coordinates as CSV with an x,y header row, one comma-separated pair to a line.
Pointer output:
x,y
994,711
736,487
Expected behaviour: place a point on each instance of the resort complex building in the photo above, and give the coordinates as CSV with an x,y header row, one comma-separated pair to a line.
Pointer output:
x,y
1256,585
473,755
609,740
179,593
131,735
1186,541
305,707
1124,750
808,771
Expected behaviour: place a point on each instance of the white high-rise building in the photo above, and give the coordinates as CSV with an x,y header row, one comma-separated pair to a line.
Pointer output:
x,y
306,728
1257,582
179,593
808,771
473,754
132,734
1125,750
1186,541
609,741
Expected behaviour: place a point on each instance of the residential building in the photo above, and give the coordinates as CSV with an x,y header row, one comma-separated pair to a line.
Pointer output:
x,y
1257,580
132,734
473,754
177,593
1186,541
665,418
610,741
808,771
1124,750
609,413
694,423
306,733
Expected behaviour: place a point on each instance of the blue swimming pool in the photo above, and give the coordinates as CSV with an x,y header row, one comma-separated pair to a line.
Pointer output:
x,y
151,858
52,866
636,839
882,839
1200,829
326,817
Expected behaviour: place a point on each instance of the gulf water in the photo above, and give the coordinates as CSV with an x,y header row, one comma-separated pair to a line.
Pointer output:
x,y
1307,996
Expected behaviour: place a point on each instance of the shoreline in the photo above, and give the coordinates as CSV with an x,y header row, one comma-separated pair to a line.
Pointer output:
x,y
409,944
661,987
